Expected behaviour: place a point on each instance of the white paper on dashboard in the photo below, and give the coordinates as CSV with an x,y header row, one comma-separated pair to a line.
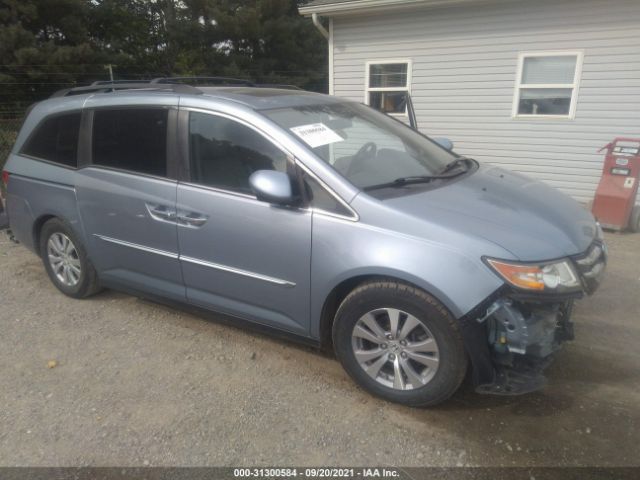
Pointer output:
x,y
316,134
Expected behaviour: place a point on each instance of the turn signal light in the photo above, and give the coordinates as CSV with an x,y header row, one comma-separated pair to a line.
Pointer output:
x,y
529,277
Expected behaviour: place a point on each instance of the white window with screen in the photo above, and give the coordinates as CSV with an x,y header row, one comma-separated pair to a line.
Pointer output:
x,y
547,85
387,85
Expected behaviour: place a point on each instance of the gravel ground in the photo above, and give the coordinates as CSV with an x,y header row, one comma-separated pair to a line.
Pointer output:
x,y
141,384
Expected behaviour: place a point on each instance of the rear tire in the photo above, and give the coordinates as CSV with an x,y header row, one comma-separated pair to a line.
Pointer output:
x,y
65,260
399,343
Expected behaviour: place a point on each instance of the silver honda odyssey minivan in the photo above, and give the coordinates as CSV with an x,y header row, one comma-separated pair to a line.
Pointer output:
x,y
308,215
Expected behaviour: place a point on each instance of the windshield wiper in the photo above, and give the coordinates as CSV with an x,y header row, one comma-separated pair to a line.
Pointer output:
x,y
402,181
458,162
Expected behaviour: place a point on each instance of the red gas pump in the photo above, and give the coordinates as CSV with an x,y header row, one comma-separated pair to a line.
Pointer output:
x,y
614,203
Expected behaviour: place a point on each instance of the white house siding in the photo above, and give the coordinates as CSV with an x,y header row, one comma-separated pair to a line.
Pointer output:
x,y
464,72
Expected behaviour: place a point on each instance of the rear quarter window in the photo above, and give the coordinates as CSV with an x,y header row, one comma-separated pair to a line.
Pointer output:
x,y
55,139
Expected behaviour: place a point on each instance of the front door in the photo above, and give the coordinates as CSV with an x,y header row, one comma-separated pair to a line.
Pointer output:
x,y
239,255
127,201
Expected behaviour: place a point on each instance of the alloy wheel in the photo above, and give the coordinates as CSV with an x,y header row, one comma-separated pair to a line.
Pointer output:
x,y
64,259
395,348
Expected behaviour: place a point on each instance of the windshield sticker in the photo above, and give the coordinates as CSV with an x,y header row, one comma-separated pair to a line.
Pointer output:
x,y
316,134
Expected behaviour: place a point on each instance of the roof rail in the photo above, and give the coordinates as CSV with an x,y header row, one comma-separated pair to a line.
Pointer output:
x,y
172,84
104,87
105,82
224,81
283,86
207,80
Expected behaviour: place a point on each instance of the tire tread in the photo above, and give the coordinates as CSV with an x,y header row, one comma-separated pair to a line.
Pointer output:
x,y
90,282
402,289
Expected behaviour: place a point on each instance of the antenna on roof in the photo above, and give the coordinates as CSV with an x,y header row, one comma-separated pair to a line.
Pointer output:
x,y
110,68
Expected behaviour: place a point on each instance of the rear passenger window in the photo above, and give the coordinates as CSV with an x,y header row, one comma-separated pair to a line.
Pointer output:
x,y
56,140
224,153
131,139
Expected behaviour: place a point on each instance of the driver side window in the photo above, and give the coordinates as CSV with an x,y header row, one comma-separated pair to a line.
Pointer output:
x,y
224,153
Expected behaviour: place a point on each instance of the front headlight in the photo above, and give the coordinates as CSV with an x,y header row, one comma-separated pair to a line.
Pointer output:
x,y
558,276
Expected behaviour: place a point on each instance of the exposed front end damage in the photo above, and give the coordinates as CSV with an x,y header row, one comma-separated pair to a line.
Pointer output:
x,y
512,336
522,338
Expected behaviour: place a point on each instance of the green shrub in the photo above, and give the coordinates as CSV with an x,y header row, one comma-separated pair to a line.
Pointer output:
x,y
8,133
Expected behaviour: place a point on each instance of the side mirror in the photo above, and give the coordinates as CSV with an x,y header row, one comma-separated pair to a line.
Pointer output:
x,y
444,143
272,187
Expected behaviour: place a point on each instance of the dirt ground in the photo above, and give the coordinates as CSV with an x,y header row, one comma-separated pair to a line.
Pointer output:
x,y
141,384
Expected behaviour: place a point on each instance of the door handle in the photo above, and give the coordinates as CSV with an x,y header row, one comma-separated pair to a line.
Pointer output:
x,y
161,212
191,219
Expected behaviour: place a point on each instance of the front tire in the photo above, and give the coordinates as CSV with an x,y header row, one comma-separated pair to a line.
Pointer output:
x,y
399,343
65,260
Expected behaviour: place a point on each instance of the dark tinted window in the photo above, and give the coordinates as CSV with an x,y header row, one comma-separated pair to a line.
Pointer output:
x,y
321,199
56,140
224,153
131,139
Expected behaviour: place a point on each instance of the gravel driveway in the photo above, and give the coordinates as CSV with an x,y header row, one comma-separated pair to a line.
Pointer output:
x,y
135,383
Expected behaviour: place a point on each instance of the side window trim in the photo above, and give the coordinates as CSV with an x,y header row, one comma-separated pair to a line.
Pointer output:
x,y
35,130
86,137
173,154
171,141
50,162
182,147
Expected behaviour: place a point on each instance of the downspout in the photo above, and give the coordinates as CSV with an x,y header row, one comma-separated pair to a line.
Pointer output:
x,y
319,26
328,35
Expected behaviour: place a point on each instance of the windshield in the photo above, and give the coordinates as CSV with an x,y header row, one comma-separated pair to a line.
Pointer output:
x,y
365,146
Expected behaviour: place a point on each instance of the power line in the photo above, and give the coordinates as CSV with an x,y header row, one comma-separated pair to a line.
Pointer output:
x,y
48,64
37,83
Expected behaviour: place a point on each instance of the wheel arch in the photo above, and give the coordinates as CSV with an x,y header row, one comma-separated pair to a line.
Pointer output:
x,y
44,217
37,229
347,284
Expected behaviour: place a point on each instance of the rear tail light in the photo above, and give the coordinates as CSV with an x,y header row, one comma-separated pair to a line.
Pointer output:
x,y
5,178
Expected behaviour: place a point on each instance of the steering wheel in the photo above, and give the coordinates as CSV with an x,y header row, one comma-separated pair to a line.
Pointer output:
x,y
368,150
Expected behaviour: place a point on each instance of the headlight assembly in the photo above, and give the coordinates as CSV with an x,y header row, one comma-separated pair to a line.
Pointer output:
x,y
556,277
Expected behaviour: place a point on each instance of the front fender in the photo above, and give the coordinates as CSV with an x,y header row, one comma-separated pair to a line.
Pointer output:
x,y
342,250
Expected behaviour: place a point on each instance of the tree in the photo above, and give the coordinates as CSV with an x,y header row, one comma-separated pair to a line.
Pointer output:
x,y
44,45
270,41
51,44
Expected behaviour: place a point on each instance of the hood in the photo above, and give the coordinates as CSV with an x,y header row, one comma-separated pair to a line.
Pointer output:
x,y
528,218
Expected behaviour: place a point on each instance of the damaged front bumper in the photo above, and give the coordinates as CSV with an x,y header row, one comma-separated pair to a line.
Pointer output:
x,y
512,336
522,338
